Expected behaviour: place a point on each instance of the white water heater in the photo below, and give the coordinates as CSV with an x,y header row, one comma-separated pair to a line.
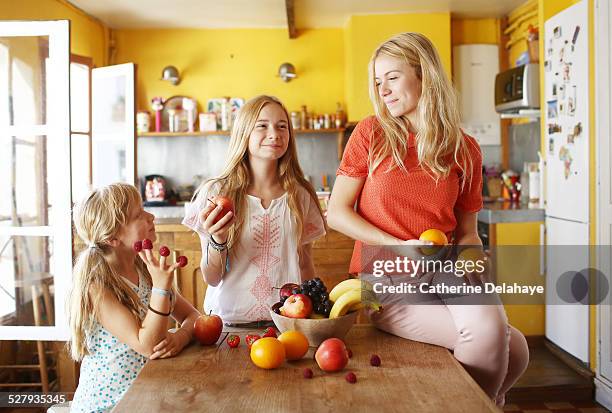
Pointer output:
x,y
474,70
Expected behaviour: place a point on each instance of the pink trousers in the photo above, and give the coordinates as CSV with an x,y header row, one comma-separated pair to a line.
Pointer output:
x,y
493,352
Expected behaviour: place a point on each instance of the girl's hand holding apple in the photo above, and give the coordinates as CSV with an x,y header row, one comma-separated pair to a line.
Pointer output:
x,y
217,217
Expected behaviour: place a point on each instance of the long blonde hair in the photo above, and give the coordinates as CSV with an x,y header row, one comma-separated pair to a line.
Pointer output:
x,y
98,218
438,135
235,179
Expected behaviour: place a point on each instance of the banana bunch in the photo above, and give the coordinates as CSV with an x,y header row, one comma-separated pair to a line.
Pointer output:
x,y
351,295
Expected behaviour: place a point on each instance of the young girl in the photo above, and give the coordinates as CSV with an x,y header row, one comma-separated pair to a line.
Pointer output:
x,y
410,168
267,243
120,300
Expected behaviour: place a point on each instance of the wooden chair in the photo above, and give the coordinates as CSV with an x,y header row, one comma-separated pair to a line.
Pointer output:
x,y
40,286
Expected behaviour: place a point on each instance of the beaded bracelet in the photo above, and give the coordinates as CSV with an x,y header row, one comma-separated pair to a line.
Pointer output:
x,y
219,247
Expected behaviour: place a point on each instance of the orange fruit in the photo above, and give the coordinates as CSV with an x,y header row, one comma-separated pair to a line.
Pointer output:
x,y
434,235
268,353
296,344
437,237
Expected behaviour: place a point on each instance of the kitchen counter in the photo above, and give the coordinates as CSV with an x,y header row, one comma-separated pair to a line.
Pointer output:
x,y
505,212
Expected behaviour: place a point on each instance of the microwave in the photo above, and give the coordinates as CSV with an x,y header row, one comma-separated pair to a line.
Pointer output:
x,y
518,88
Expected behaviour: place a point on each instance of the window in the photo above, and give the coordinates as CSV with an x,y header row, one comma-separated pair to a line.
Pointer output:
x,y
35,204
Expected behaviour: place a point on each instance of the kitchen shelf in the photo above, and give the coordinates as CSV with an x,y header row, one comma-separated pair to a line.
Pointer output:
x,y
226,133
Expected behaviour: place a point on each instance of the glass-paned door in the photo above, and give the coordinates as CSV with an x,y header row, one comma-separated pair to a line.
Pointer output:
x,y
113,125
35,194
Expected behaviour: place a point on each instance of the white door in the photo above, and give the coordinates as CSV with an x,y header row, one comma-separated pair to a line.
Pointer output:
x,y
567,253
603,66
35,199
113,124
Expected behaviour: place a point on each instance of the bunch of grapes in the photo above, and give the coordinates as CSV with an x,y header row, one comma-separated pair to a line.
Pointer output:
x,y
316,290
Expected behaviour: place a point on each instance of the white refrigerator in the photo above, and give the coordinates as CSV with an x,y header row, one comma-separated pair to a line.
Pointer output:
x,y
566,117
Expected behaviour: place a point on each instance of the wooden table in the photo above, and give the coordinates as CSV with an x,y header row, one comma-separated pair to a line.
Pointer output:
x,y
414,377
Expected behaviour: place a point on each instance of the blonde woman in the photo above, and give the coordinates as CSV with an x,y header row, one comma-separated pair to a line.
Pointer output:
x,y
121,299
410,168
267,243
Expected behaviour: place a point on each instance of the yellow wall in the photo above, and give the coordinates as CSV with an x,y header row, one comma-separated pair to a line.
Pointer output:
x,y
474,31
364,33
520,16
239,63
88,36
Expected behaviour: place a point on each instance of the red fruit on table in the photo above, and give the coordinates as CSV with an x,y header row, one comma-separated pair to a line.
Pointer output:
x,y
350,353
226,206
332,355
233,341
207,328
147,244
307,373
182,261
297,306
137,246
269,332
351,378
164,251
251,338
375,360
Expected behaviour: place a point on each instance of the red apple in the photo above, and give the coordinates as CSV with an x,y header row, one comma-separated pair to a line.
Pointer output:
x,y
297,306
286,290
226,206
332,355
207,328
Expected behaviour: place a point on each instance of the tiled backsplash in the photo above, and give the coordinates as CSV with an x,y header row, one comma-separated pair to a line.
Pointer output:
x,y
180,159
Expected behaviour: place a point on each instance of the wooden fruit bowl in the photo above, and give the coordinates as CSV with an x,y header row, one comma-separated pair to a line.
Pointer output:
x,y
316,330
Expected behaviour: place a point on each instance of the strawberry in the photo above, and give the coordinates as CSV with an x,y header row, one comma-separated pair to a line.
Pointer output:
x,y
251,338
137,246
269,332
351,378
164,251
233,341
147,244
182,261
307,373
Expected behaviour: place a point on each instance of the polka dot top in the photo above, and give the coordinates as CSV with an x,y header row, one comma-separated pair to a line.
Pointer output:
x,y
111,366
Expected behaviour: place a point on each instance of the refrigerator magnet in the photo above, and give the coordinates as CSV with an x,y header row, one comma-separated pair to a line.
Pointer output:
x,y
554,128
552,112
551,146
577,131
570,138
566,72
557,32
575,36
547,65
566,157
554,89
571,102
561,92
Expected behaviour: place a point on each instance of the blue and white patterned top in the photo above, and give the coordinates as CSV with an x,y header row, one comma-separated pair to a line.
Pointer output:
x,y
111,366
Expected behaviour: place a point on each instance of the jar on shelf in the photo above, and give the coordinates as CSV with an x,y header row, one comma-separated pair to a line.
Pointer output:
x,y
295,120
226,114
143,121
